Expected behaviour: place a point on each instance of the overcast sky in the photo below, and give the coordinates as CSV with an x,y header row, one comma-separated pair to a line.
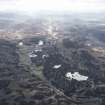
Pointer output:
x,y
33,5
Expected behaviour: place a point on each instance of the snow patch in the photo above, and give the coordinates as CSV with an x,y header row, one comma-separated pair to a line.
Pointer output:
x,y
57,66
32,55
76,76
45,56
69,75
38,50
40,43
20,43
88,44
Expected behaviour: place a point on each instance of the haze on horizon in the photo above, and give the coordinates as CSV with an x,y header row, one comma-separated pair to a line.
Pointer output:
x,y
52,5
